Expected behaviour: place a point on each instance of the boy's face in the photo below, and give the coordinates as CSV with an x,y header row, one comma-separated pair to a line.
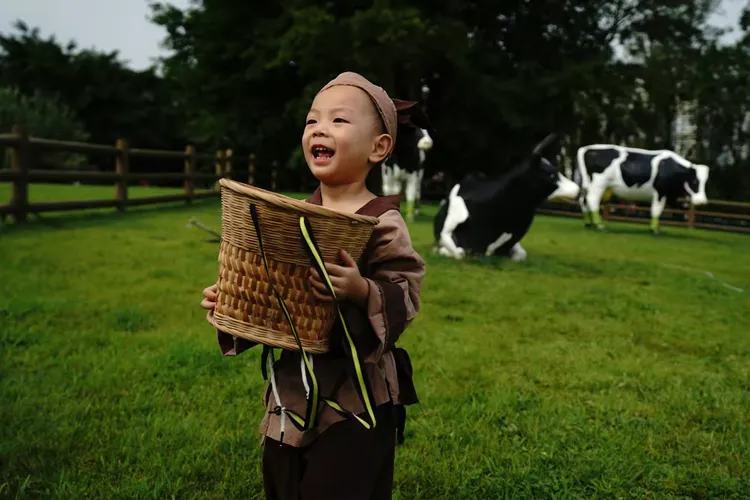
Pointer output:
x,y
343,136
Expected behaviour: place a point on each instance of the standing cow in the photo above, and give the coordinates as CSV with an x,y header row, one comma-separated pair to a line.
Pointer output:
x,y
658,176
489,215
405,167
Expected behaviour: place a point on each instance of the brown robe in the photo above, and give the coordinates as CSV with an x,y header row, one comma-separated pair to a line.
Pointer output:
x,y
394,272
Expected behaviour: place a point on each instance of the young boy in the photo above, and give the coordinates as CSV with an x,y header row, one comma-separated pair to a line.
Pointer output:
x,y
350,128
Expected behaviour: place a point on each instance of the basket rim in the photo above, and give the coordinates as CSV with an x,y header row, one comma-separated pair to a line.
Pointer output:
x,y
286,202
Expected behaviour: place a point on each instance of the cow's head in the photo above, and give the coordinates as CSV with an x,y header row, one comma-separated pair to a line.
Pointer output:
x,y
413,136
695,185
425,142
565,188
545,177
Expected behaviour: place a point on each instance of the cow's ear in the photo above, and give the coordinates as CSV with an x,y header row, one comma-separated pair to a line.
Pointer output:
x,y
403,105
547,142
410,113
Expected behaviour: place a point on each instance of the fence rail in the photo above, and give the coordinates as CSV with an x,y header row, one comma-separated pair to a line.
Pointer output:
x,y
719,215
21,174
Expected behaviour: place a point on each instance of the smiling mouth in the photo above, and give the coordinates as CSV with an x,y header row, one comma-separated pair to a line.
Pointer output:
x,y
322,152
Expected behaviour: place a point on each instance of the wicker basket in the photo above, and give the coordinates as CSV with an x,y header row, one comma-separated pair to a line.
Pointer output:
x,y
246,306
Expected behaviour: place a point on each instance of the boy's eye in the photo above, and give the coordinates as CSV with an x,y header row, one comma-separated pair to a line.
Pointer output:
x,y
309,121
339,120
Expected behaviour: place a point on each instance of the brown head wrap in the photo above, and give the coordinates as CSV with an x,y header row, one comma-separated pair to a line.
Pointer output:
x,y
391,111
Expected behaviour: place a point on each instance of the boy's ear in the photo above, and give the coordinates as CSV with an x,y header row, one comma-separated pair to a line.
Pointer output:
x,y
381,148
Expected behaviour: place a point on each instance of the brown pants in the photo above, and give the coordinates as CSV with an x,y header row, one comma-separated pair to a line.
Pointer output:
x,y
346,462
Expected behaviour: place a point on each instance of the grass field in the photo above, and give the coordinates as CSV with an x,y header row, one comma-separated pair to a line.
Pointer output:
x,y
593,370
70,192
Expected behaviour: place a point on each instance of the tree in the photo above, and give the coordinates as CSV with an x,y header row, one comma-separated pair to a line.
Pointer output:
x,y
42,117
109,99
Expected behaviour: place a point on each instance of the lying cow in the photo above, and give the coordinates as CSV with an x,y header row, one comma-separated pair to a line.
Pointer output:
x,y
404,167
490,215
658,176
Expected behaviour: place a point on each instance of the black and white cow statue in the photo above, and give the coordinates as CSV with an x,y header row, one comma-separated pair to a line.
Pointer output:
x,y
490,215
405,167
658,176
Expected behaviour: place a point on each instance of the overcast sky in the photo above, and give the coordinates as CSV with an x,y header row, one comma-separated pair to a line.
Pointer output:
x,y
123,25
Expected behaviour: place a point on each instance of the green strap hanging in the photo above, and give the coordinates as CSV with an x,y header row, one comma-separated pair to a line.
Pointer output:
x,y
308,421
360,380
355,369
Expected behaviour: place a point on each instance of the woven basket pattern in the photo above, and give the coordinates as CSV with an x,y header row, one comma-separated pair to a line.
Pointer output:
x,y
246,306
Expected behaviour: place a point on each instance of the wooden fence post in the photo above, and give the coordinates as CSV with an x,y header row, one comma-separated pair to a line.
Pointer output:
x,y
691,216
121,168
605,211
20,164
251,170
190,172
219,167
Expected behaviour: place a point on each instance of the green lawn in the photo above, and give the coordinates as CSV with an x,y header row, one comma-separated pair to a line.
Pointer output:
x,y
593,370
70,192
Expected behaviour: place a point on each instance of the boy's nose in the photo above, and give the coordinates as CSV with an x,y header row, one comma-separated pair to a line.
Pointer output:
x,y
320,129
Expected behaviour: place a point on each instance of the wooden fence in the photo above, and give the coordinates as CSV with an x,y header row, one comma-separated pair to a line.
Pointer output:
x,y
21,174
721,215
717,214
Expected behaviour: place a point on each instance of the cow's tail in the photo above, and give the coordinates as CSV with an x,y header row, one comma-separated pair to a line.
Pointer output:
x,y
440,217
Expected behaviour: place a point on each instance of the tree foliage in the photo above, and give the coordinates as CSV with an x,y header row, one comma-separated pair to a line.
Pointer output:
x,y
43,117
111,100
501,75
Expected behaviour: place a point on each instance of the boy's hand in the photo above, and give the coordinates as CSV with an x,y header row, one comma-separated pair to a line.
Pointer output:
x,y
209,302
346,280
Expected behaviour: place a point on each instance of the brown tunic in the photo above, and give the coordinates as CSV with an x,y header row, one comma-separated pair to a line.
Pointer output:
x,y
394,272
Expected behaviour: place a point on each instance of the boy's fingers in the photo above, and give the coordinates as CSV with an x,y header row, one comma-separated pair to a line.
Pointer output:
x,y
335,269
208,304
337,282
317,285
347,259
333,277
319,296
314,272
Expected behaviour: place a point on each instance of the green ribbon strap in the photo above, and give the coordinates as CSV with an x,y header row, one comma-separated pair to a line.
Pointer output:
x,y
308,421
361,385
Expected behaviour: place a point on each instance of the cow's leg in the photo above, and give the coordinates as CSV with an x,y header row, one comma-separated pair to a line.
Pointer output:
x,y
587,220
387,174
456,214
418,197
517,253
594,198
657,207
422,157
398,179
446,253
412,188
495,245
